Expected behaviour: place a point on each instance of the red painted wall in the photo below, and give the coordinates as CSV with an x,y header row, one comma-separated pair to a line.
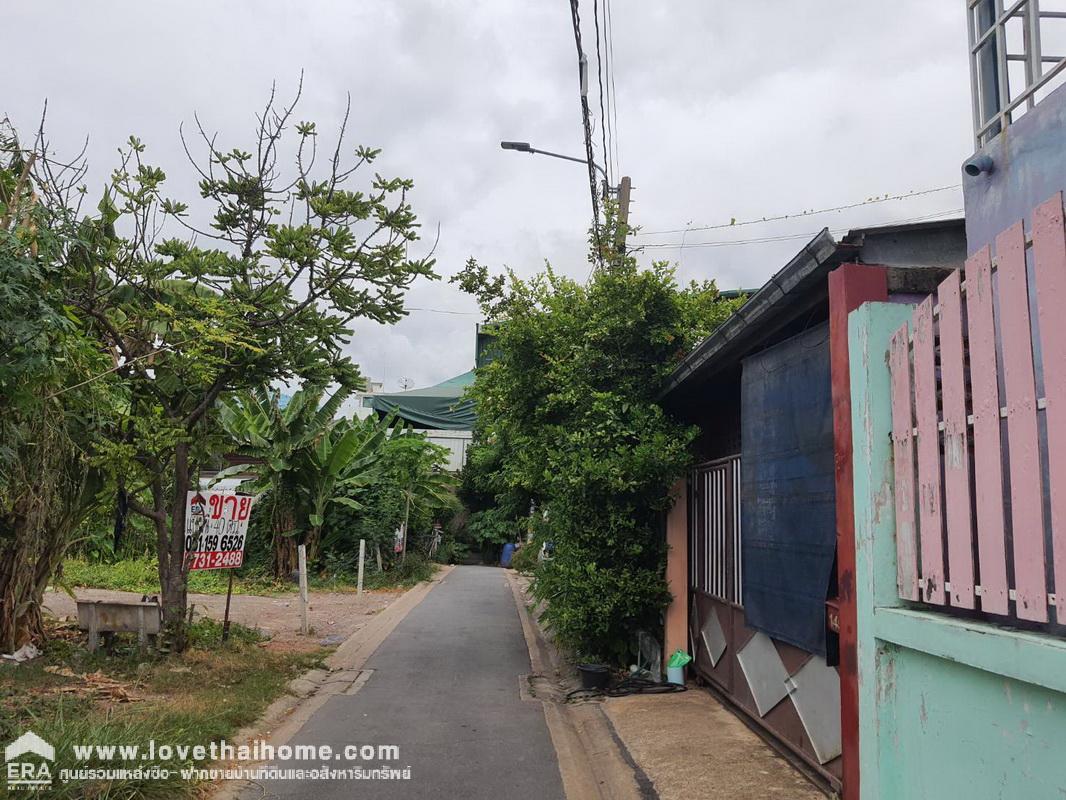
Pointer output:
x,y
850,285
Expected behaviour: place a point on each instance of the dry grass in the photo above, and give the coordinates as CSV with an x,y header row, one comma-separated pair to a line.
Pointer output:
x,y
208,693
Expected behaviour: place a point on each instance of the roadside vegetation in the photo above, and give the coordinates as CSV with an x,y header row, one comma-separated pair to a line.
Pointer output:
x,y
209,692
146,340
141,576
571,447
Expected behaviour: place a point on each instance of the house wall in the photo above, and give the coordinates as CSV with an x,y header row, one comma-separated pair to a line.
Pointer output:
x,y
457,443
1029,166
949,707
676,627
788,692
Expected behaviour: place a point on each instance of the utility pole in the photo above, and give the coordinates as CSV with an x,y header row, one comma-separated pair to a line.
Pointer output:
x,y
625,186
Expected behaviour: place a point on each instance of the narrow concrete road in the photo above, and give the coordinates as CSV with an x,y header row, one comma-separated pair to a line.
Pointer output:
x,y
445,690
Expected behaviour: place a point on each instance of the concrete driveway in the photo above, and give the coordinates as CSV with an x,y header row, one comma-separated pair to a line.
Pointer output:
x,y
445,689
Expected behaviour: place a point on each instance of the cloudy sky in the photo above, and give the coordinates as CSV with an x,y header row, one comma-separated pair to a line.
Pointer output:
x,y
724,110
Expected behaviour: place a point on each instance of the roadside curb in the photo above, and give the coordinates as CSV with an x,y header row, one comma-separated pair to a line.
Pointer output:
x,y
343,674
593,761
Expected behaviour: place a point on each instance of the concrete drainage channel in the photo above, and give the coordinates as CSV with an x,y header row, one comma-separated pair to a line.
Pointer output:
x,y
593,762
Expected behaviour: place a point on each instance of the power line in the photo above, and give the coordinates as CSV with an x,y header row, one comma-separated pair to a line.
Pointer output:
x,y
784,237
799,214
614,94
582,63
587,125
605,122
444,311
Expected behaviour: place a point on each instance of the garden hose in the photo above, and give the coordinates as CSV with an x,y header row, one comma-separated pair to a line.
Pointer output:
x,y
626,687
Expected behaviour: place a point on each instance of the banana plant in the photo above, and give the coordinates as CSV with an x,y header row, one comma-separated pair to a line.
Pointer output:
x,y
282,440
344,460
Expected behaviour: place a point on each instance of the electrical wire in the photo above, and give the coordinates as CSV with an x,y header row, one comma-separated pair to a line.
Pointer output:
x,y
624,687
799,214
444,311
683,245
587,125
604,119
613,105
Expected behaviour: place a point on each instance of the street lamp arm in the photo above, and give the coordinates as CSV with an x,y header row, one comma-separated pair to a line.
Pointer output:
x,y
524,147
569,158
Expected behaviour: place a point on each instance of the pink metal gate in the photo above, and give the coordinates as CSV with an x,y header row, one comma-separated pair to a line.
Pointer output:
x,y
979,431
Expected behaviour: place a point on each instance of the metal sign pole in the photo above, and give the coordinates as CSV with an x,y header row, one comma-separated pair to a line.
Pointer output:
x,y
225,617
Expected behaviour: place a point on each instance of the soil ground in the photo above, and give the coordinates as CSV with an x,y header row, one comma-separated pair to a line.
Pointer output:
x,y
333,616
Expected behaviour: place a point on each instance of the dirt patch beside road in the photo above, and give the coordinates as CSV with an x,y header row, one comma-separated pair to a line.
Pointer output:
x,y
333,616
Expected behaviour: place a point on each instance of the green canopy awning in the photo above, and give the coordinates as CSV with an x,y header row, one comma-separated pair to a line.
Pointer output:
x,y
440,407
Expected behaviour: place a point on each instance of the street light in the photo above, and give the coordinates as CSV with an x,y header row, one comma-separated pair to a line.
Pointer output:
x,y
525,147
623,190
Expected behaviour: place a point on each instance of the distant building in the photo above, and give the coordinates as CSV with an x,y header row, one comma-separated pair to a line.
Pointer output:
x,y
359,405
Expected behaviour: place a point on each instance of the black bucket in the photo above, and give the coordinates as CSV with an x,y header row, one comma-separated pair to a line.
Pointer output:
x,y
594,676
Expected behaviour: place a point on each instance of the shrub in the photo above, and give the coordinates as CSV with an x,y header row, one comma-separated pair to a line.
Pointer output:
x,y
525,560
568,418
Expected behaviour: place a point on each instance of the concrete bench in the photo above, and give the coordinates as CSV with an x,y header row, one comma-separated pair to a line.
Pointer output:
x,y
104,617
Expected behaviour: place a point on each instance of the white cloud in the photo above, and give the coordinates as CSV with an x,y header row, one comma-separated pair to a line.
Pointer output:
x,y
724,110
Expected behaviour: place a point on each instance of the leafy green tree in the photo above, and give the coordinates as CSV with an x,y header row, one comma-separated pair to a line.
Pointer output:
x,y
264,290
54,396
407,489
423,485
567,415
341,461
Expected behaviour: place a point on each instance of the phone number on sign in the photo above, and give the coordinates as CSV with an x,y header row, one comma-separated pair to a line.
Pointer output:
x,y
215,559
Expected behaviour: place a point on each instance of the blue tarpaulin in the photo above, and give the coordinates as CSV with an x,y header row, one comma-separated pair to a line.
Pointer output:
x,y
788,493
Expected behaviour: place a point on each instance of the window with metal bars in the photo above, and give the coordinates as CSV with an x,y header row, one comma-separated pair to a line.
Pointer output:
x,y
714,530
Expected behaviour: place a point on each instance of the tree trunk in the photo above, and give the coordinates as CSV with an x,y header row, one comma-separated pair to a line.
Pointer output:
x,y
285,555
36,530
406,519
170,541
283,546
20,610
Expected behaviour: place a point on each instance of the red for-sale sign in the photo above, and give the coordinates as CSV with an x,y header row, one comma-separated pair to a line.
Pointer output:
x,y
216,524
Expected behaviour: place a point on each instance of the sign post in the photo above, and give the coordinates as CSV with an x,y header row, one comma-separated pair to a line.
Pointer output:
x,y
302,551
362,556
225,617
216,526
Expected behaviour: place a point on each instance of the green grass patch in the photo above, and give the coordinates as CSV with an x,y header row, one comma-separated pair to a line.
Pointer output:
x,y
203,695
139,575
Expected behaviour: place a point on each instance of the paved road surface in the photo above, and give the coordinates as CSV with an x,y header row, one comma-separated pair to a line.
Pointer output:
x,y
445,689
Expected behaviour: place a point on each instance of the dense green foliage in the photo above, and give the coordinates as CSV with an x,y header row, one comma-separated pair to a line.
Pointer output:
x,y
306,461
51,409
406,490
567,417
